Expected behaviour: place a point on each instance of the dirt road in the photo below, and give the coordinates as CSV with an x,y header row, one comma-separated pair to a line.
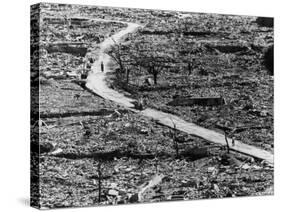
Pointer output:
x,y
97,83
96,79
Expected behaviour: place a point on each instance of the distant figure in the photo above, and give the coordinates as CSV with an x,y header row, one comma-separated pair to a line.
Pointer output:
x,y
191,66
102,66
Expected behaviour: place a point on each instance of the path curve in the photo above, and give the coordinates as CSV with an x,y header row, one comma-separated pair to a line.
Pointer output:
x,y
96,79
96,82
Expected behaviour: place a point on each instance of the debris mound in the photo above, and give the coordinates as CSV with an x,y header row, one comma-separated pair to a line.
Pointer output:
x,y
265,21
268,60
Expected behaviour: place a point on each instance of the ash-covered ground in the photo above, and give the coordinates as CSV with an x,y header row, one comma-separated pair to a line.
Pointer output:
x,y
96,152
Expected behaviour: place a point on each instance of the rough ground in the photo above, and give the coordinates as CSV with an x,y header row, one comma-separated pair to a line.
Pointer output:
x,y
85,139
132,149
97,83
231,60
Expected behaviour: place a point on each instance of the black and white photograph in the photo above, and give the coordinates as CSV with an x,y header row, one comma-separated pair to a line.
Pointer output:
x,y
143,105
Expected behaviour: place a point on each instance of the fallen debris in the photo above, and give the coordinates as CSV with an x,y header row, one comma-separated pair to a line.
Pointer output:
x,y
70,48
153,182
265,21
46,147
204,101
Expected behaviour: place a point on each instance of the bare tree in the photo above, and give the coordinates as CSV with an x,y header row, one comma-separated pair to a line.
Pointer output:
x,y
99,179
119,53
100,176
136,56
174,135
153,62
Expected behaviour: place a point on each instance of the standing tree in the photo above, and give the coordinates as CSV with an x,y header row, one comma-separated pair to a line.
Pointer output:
x,y
175,139
156,64
119,53
153,62
99,170
139,55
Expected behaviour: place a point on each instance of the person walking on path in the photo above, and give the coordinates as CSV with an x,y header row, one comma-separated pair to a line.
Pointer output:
x,y
102,66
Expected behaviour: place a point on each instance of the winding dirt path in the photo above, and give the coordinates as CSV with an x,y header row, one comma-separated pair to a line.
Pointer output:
x,y
96,79
97,83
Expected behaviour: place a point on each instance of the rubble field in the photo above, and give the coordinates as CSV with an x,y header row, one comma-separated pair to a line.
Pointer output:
x,y
95,152
227,62
130,151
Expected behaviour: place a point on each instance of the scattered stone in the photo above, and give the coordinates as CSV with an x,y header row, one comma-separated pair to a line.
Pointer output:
x,y
228,159
134,198
211,169
113,185
46,147
144,131
256,167
245,166
56,151
113,192
216,188
128,169
263,113
148,81
127,125
190,183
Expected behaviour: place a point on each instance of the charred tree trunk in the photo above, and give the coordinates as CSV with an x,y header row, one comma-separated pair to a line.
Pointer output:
x,y
99,180
127,76
121,66
155,75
